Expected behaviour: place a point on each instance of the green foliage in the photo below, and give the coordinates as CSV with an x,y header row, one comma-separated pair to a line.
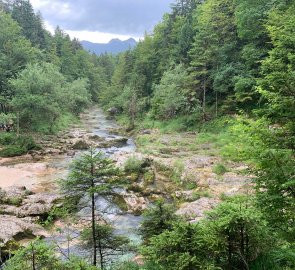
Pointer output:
x,y
174,95
15,52
133,165
234,234
41,101
7,118
156,220
237,233
92,173
37,255
12,151
175,249
220,169
16,145
109,243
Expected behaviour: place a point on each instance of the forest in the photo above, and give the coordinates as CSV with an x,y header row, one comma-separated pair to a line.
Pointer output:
x,y
222,70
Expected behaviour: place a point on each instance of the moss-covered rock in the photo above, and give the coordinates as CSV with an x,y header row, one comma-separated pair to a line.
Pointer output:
x,y
80,145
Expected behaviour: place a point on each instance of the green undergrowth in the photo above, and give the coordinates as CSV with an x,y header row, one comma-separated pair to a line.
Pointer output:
x,y
237,139
63,122
14,145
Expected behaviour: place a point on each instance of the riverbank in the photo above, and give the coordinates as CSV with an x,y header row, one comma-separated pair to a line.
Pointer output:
x,y
182,167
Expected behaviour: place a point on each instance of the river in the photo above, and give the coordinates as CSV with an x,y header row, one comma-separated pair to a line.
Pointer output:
x,y
41,176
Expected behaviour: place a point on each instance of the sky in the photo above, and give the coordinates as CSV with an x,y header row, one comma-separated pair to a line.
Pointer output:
x,y
101,20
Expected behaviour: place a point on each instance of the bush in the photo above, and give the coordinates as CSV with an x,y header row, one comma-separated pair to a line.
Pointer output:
x,y
12,151
133,165
220,169
17,146
7,138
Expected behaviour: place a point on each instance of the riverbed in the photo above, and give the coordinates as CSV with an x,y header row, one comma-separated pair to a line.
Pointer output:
x,y
42,175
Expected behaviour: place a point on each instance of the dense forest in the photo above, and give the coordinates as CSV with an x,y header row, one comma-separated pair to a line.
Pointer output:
x,y
224,67
45,78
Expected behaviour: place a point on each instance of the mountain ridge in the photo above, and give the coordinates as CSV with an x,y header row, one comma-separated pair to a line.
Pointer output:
x,y
114,46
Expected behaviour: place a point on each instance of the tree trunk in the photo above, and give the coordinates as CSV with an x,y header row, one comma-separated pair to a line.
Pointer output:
x,y
93,228
93,216
229,250
33,258
100,255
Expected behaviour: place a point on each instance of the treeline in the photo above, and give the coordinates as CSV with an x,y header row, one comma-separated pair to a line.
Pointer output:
x,y
45,79
210,58
205,60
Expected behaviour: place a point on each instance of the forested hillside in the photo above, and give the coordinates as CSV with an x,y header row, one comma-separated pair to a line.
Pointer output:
x,y
211,58
211,90
225,67
45,79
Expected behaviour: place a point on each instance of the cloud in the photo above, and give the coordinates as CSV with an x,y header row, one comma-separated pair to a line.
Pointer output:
x,y
122,17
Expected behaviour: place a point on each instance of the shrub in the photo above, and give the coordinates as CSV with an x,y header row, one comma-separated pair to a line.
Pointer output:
x,y
133,165
12,151
220,169
17,146
7,138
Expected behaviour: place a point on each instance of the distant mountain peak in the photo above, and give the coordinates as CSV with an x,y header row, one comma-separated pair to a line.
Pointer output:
x,y
113,40
131,40
114,46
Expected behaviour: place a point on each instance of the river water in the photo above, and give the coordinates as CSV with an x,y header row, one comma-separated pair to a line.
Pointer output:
x,y
42,176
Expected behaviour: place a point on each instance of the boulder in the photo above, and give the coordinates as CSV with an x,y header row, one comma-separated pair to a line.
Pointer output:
x,y
195,211
135,204
13,228
96,138
113,111
184,194
145,132
80,145
37,205
118,142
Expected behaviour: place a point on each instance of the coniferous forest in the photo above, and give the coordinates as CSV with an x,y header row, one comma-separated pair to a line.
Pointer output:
x,y
214,84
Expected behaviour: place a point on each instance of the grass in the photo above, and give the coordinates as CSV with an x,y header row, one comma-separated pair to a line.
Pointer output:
x,y
201,194
220,169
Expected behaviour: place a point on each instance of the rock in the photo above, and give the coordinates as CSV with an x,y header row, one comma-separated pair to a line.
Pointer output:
x,y
113,111
8,210
119,142
37,204
96,138
185,194
15,191
134,203
53,152
201,162
195,211
145,132
80,145
71,153
13,228
139,260
14,194
117,131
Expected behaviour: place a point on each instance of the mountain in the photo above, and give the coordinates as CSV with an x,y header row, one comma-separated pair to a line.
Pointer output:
x,y
114,46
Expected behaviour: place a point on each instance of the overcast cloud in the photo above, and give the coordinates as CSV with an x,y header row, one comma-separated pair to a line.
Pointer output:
x,y
116,17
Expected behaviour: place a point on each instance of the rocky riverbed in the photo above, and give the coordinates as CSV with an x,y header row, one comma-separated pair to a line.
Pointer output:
x,y
172,166
28,184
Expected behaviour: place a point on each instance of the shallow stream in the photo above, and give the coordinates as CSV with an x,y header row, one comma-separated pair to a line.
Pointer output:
x,y
41,176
